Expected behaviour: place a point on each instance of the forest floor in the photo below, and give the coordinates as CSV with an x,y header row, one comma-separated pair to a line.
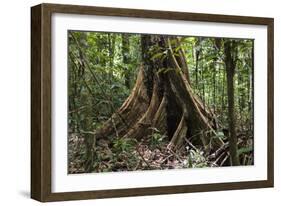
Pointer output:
x,y
151,153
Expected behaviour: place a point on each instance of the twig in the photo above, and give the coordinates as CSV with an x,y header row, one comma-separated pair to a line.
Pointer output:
x,y
219,157
219,151
190,144
114,125
167,157
175,154
78,109
137,149
136,167
226,157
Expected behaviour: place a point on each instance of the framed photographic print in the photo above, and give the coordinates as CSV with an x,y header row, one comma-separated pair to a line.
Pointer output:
x,y
130,102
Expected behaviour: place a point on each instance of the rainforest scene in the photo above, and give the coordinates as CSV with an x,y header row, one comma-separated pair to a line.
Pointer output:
x,y
157,102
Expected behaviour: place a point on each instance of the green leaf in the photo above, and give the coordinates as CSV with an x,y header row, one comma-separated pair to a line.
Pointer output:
x,y
245,150
157,55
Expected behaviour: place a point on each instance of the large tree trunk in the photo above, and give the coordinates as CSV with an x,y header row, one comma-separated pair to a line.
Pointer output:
x,y
162,98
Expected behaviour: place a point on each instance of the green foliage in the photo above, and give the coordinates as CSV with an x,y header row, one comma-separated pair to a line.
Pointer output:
x,y
159,55
245,150
115,71
195,159
156,139
97,76
102,69
208,76
165,70
220,135
123,145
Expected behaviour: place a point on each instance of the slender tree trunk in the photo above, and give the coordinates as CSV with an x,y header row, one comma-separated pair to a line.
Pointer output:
x,y
250,85
214,85
126,57
222,91
111,48
203,84
229,47
197,55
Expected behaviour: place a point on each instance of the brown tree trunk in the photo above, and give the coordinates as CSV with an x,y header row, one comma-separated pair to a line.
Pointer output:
x,y
162,98
229,47
126,58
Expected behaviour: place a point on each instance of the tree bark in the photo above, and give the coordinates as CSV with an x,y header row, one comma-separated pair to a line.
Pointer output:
x,y
126,57
163,98
229,47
